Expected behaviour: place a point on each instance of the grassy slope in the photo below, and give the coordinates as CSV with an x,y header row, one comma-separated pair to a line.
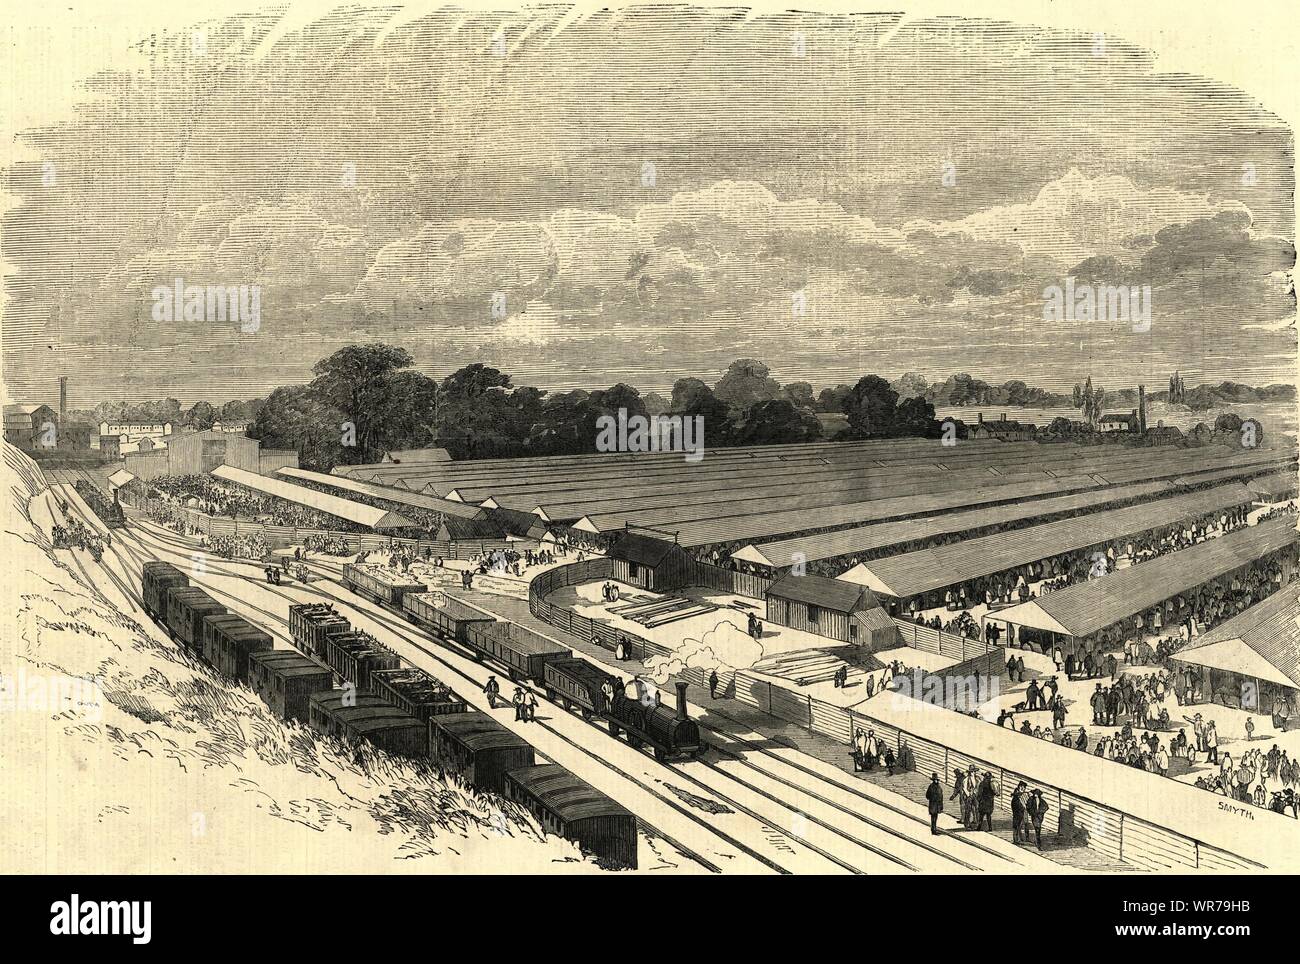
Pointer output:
x,y
177,770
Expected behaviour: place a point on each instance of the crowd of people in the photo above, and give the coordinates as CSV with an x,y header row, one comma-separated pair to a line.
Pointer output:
x,y
75,534
218,498
1137,705
870,751
237,547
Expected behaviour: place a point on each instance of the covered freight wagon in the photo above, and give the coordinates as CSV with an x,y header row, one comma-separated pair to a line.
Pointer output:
x,y
186,608
567,807
310,624
228,640
523,652
354,656
158,578
479,747
444,613
415,692
379,583
285,679
366,717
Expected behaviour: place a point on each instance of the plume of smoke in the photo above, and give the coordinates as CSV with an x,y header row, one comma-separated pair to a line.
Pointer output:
x,y
724,647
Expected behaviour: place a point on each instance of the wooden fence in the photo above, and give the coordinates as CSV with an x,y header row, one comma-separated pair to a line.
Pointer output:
x,y
603,635
1078,820
937,641
729,580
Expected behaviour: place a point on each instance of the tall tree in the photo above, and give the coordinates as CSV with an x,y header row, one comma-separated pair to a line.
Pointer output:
x,y
358,381
747,381
776,421
871,408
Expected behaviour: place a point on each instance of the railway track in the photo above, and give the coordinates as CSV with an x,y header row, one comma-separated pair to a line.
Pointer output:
x,y
819,822
150,544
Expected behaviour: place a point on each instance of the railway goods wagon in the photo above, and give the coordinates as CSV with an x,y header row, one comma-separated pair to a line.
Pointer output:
x,y
415,692
186,608
567,807
575,682
310,624
379,584
285,679
447,615
366,717
354,656
158,578
522,652
228,641
479,747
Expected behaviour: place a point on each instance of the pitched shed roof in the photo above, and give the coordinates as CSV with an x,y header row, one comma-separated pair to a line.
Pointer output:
x,y
640,549
926,570
813,590
400,496
414,456
1268,631
1090,606
366,515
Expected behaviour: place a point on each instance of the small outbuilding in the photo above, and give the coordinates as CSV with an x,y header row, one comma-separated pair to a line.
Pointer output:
x,y
832,608
650,563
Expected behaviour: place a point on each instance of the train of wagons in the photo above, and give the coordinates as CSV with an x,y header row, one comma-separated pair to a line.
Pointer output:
x,y
569,681
345,684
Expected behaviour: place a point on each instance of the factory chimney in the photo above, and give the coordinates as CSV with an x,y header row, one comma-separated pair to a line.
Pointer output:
x,y
681,700
1142,409
63,399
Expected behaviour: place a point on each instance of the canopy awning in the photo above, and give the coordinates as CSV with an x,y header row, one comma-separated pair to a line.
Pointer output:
x,y
751,554
1234,656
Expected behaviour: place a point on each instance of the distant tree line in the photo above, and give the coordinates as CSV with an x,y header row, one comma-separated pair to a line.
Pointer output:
x,y
367,399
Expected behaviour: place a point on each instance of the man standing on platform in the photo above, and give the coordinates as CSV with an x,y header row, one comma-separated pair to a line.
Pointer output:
x,y
934,797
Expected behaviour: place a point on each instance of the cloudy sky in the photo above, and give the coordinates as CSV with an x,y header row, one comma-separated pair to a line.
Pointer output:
x,y
648,189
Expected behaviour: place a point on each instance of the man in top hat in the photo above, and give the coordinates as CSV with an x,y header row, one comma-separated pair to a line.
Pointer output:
x,y
934,797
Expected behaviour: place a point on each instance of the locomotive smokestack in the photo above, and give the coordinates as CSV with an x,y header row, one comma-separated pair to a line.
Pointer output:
x,y
681,700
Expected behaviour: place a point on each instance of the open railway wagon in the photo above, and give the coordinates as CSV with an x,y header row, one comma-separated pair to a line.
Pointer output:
x,y
159,577
447,615
228,641
669,733
567,807
479,747
415,692
523,653
354,656
311,624
379,584
187,606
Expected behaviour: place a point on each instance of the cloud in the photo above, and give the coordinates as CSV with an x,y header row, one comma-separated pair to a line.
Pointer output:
x,y
1075,216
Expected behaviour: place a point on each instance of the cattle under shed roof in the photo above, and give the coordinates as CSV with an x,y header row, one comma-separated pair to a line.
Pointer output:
x,y
564,794
832,594
1269,630
1090,606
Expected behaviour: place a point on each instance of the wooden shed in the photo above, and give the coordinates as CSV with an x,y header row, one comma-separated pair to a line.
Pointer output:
x,y
829,607
649,563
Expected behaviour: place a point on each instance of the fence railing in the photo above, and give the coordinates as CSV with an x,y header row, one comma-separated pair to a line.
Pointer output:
x,y
931,640
603,635
1078,820
729,580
